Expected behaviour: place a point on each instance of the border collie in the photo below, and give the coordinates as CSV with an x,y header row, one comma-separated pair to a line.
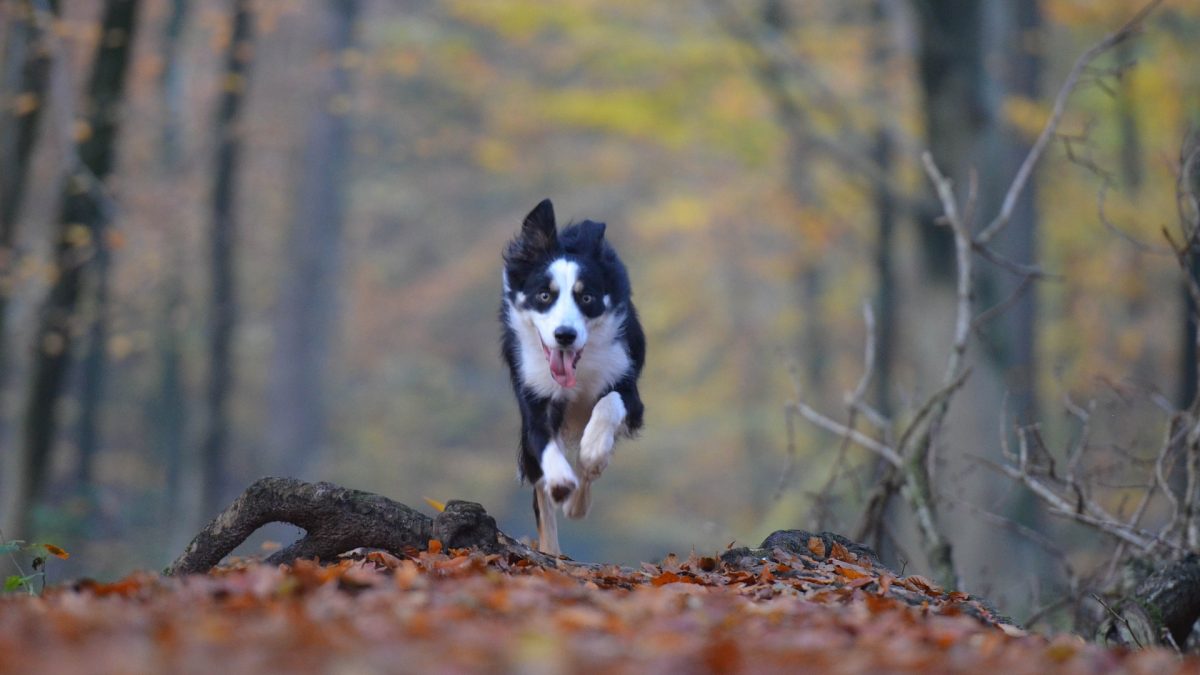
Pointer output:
x,y
574,348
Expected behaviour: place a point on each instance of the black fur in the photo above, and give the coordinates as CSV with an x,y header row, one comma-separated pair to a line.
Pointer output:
x,y
526,259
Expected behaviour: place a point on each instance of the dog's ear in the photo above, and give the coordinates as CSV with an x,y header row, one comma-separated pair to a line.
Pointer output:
x,y
539,230
591,235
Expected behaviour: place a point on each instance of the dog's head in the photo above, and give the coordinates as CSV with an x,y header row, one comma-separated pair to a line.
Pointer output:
x,y
561,284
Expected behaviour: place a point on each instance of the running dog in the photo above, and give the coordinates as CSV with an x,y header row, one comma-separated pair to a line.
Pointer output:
x,y
574,349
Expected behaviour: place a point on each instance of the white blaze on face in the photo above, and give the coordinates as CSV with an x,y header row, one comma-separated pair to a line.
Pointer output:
x,y
564,313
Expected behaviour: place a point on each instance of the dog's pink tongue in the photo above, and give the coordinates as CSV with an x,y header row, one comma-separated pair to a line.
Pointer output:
x,y
562,367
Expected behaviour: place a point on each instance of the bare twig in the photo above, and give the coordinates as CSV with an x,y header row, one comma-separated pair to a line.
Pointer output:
x,y
1117,616
773,72
832,426
868,357
1084,511
1060,107
962,254
999,308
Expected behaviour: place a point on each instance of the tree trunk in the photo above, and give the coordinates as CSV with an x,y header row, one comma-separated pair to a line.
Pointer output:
x,y
223,307
23,81
950,68
1190,351
1013,336
169,408
83,212
94,365
307,320
959,117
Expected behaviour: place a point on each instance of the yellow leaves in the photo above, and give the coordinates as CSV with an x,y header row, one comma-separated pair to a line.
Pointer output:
x,y
684,213
633,112
521,20
82,131
1110,13
1026,115
25,103
495,154
77,235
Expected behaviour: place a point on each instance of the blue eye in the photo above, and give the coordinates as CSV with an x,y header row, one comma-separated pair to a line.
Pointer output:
x,y
586,299
544,296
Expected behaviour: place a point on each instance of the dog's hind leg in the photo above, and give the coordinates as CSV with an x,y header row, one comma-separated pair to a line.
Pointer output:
x,y
547,524
607,421
580,500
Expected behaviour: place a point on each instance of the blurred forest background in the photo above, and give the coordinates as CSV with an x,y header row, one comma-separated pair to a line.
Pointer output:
x,y
248,237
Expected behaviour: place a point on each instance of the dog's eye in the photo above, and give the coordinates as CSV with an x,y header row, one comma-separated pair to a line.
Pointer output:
x,y
586,299
544,296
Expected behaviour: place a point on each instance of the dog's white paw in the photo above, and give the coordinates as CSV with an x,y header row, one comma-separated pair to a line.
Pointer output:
x,y
558,479
595,448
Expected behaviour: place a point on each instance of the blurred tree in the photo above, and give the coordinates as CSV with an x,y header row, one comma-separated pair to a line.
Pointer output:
x,y
94,362
306,322
85,209
951,74
229,132
23,82
169,408
1014,39
886,208
1189,30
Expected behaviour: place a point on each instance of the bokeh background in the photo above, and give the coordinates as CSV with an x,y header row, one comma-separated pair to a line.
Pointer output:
x,y
758,165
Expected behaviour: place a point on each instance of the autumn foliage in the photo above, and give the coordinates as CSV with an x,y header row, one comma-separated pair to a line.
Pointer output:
x,y
462,610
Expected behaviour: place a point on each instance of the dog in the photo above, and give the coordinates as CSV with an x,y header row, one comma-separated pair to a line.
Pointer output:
x,y
574,350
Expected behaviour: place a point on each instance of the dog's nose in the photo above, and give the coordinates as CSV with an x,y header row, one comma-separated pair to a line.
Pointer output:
x,y
565,335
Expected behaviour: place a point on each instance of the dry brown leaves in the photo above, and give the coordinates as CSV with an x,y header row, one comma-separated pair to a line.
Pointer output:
x,y
458,611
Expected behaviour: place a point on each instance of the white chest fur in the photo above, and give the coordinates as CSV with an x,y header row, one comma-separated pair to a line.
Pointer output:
x,y
605,360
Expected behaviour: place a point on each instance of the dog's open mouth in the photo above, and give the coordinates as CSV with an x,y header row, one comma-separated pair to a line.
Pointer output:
x,y
562,364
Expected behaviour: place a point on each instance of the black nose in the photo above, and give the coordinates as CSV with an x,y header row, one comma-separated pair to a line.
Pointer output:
x,y
565,335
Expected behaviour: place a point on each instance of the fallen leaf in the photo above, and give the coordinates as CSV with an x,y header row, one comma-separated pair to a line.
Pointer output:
x,y
816,547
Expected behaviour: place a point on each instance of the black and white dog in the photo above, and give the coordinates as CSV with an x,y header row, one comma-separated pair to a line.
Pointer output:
x,y
575,349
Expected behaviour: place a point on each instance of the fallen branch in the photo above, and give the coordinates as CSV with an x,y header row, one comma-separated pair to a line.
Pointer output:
x,y
338,519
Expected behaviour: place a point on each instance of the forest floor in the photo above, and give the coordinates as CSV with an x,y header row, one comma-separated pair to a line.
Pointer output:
x,y
465,611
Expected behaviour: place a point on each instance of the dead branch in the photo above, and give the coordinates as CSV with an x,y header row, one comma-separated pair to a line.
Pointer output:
x,y
1060,108
1082,510
832,426
337,520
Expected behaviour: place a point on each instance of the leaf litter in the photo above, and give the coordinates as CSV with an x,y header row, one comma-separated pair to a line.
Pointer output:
x,y
463,611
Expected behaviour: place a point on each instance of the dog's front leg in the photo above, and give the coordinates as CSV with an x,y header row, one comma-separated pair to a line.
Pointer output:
x,y
595,448
608,420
